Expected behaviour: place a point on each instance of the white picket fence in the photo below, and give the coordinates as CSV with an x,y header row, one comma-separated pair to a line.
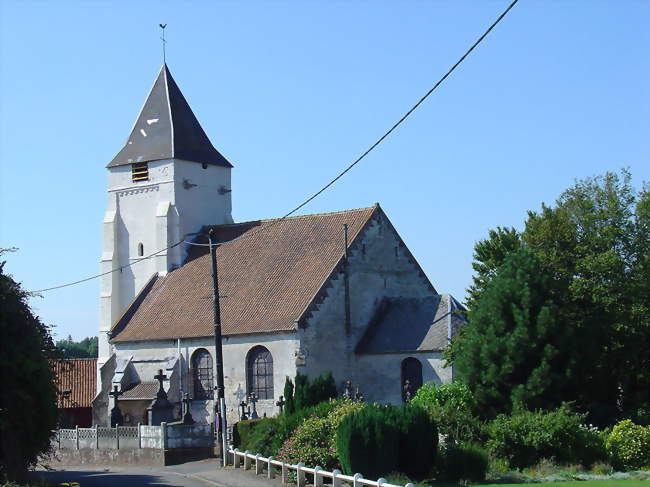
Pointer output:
x,y
319,474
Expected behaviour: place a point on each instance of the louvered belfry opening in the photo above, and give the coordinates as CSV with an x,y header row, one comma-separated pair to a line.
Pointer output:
x,y
140,171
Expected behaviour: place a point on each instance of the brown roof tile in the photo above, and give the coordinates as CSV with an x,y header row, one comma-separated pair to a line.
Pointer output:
x,y
143,390
79,376
267,279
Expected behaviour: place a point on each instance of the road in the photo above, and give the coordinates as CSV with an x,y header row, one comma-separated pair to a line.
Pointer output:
x,y
192,474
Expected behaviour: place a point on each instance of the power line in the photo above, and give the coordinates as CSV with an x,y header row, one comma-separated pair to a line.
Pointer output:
x,y
331,182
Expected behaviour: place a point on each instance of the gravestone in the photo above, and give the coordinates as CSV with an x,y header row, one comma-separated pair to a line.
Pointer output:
x,y
162,411
187,417
116,415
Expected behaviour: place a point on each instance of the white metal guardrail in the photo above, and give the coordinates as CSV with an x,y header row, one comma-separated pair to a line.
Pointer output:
x,y
319,474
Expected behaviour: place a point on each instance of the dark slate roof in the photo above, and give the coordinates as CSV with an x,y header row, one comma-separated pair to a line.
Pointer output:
x,y
411,325
268,279
166,128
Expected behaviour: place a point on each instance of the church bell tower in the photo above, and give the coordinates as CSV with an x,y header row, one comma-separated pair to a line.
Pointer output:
x,y
166,182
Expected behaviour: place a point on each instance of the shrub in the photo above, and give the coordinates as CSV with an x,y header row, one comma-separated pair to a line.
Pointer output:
x,y
314,441
466,461
307,394
241,432
382,439
260,439
368,441
526,437
452,408
301,392
28,403
418,441
290,406
289,423
629,445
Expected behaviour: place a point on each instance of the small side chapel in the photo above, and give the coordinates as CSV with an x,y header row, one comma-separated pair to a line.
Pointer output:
x,y
335,292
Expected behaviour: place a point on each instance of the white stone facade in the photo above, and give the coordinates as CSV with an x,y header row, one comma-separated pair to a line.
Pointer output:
x,y
147,216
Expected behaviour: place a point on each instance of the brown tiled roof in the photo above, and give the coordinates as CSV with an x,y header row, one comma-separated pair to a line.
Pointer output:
x,y
142,390
79,376
267,279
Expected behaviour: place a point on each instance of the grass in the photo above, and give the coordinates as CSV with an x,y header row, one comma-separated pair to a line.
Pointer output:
x,y
586,483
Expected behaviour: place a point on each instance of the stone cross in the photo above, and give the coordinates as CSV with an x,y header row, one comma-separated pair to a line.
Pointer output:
x,y
252,397
347,391
160,378
281,403
162,411
408,390
187,417
244,416
358,396
116,415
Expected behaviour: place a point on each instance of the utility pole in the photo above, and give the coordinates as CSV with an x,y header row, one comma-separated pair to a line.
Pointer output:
x,y
346,279
220,402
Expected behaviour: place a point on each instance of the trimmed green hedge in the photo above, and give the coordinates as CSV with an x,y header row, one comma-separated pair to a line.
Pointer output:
x,y
368,442
381,439
466,461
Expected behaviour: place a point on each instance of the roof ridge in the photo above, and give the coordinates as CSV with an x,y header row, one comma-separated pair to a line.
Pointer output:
x,y
268,220
77,358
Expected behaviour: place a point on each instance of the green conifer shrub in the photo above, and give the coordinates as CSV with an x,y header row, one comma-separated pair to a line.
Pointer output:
x,y
320,389
301,392
418,441
290,405
368,441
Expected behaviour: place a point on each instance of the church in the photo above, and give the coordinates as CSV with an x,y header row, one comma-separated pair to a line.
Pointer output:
x,y
333,292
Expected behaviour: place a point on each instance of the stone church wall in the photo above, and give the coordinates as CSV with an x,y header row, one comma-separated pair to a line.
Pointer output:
x,y
381,374
283,347
379,265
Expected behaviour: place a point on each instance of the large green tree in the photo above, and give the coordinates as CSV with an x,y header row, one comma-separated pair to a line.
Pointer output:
x,y
594,244
517,351
28,409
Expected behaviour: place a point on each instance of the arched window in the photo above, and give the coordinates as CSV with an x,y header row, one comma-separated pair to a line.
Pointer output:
x,y
140,249
259,372
202,374
411,372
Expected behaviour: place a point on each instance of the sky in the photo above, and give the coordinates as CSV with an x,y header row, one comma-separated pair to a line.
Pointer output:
x,y
292,92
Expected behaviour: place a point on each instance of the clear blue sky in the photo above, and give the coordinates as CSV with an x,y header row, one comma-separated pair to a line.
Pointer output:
x,y
291,92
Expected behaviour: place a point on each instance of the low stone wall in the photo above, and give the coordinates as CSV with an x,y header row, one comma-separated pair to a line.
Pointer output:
x,y
136,445
91,456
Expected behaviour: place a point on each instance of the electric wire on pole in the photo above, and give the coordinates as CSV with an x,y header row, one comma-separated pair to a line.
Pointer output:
x,y
326,186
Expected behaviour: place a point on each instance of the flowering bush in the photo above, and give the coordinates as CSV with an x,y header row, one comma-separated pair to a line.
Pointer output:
x,y
452,408
526,437
629,445
314,441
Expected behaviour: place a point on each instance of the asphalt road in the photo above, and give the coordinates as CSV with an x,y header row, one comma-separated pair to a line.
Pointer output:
x,y
132,477
204,473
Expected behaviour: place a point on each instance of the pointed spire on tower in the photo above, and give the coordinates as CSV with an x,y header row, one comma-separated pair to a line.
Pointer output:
x,y
166,128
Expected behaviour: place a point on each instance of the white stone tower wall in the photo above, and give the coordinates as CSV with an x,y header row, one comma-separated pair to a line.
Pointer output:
x,y
178,198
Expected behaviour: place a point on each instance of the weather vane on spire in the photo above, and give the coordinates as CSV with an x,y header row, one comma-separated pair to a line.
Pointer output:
x,y
162,26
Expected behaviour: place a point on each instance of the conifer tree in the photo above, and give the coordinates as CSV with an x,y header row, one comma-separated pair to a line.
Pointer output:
x,y
516,351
